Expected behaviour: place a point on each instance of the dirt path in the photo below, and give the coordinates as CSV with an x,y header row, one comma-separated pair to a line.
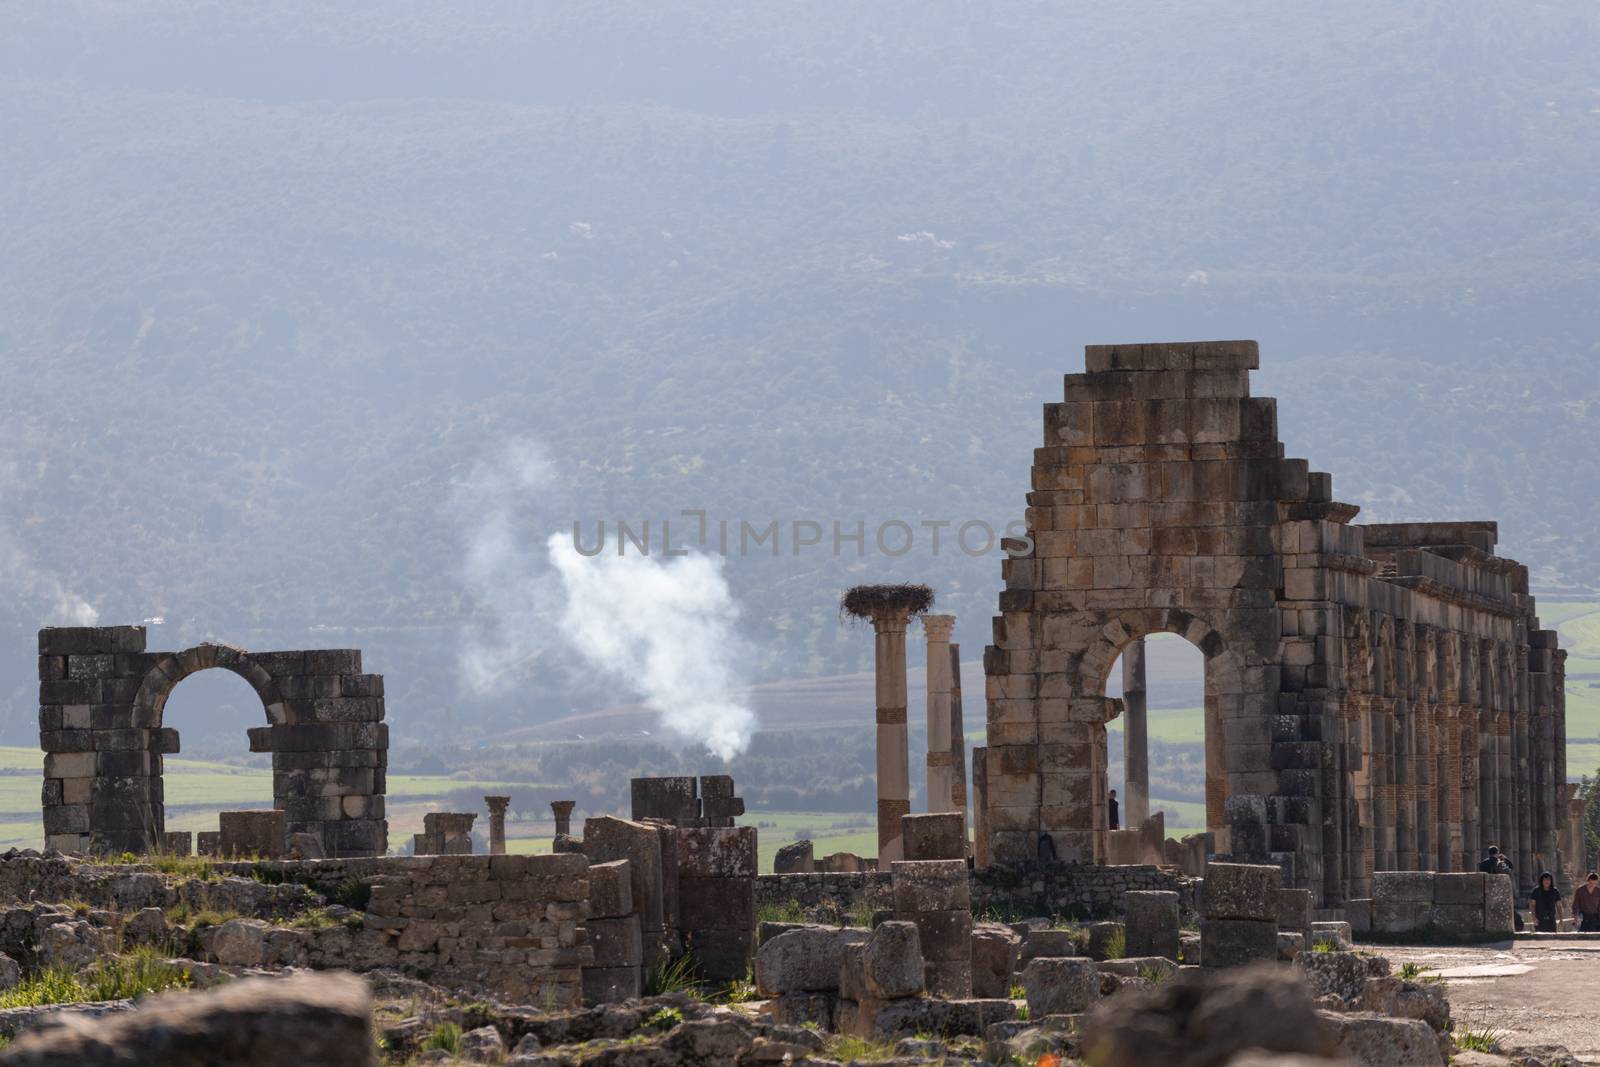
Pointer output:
x,y
1537,993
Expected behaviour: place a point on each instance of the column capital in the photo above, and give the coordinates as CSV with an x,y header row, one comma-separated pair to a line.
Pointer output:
x,y
497,805
938,628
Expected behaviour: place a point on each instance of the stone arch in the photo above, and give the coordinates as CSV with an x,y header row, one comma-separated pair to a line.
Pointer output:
x,y
165,674
1225,691
101,699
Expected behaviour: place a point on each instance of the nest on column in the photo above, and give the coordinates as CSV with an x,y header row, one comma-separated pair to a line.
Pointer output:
x,y
866,601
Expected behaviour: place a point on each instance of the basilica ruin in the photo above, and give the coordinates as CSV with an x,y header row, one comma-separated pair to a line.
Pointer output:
x,y
1377,698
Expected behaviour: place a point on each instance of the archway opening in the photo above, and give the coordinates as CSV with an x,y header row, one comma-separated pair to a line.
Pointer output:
x,y
214,769
1182,778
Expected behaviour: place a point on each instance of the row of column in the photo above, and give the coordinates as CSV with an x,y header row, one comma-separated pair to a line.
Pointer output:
x,y
1439,781
946,755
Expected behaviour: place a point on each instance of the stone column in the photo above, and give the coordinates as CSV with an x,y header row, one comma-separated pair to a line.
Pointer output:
x,y
958,734
562,809
941,779
980,807
497,824
894,753
1135,738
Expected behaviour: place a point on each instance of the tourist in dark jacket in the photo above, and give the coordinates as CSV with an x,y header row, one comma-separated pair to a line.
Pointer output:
x,y
1586,904
1546,902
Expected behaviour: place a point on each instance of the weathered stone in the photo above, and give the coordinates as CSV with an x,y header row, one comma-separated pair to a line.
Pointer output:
x,y
1241,891
1499,906
253,834
802,1009
794,858
1060,986
1290,946
1335,934
1340,974
931,885
239,942
147,926
610,890
995,951
911,1016
1152,923
937,836
1204,1018
805,960
1381,1041
316,1020
611,985
1103,940
892,965
73,945
1235,942
10,972
1055,944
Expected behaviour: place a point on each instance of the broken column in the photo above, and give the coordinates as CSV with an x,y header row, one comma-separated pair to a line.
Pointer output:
x,y
497,824
890,607
937,896
941,836
1135,737
562,810
941,779
718,805
980,807
1151,923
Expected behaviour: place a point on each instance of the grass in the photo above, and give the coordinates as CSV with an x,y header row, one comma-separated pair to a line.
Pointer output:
x,y
446,1037
1479,1036
114,978
1117,945
788,911
677,976
664,1019
848,1049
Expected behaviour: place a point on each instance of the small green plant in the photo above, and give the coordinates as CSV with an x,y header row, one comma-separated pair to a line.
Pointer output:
x,y
445,1037
1410,972
664,1019
860,913
677,976
1154,975
1322,946
848,1049
1117,944
1018,993
351,893
1479,1036
114,978
784,911
1023,1014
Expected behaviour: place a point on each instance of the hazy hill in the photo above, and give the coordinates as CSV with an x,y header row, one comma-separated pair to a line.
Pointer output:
x,y
274,281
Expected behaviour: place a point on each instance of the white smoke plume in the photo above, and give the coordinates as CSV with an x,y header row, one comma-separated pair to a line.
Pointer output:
x,y
22,579
660,630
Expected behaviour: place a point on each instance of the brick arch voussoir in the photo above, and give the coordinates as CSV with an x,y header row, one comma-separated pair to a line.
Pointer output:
x,y
1224,666
173,668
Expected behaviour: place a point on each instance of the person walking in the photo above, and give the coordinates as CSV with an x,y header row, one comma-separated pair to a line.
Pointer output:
x,y
1546,902
1586,904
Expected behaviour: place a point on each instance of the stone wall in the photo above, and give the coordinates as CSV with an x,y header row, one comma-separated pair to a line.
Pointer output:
x,y
1376,697
1068,890
101,696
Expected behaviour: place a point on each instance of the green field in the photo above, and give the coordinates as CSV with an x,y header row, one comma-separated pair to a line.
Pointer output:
x,y
1178,726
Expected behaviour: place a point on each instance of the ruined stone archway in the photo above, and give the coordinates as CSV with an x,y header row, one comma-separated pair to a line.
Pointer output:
x,y
102,695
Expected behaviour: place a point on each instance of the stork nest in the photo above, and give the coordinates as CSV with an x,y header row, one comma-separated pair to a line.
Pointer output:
x,y
865,601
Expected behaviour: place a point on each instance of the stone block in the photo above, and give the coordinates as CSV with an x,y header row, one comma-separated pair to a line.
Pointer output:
x,y
945,935
1152,923
1395,918
259,834
177,842
1409,887
1102,939
674,799
949,979
1235,942
1455,922
208,843
616,942
807,960
1160,967
717,904
896,1020
1336,934
795,858
1499,906
1358,913
805,1009
1290,945
611,985
1338,974
892,964
940,836
931,885
610,890
607,839
717,852
1051,944
1057,986
1294,911
996,949
1381,1041
1241,891
1459,888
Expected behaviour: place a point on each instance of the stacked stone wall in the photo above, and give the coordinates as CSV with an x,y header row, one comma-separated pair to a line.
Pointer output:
x,y
101,697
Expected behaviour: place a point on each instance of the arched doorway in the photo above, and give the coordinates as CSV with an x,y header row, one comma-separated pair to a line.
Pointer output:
x,y
1161,768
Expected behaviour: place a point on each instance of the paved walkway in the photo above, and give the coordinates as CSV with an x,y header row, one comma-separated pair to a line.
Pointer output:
x,y
1537,992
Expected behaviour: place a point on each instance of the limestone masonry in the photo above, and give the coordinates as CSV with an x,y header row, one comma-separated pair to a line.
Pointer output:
x,y
1378,698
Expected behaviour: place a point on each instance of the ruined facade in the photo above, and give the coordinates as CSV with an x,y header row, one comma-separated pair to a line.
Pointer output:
x,y
1376,697
101,695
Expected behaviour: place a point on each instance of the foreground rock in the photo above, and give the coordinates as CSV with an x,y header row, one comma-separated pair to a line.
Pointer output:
x,y
1205,1019
322,1020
